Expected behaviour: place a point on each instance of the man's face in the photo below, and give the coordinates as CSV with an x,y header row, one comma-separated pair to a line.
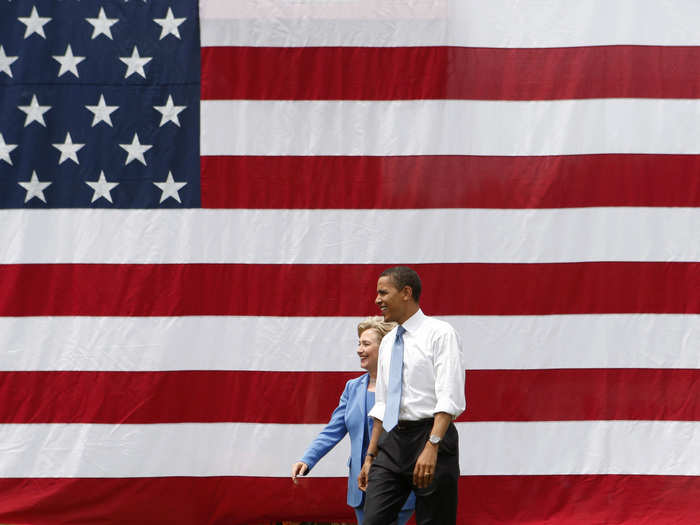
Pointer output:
x,y
390,299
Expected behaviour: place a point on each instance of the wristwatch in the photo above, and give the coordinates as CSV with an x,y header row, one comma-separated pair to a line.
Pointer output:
x,y
435,440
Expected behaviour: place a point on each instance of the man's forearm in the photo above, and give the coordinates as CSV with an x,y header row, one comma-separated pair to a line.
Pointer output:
x,y
374,439
424,469
440,424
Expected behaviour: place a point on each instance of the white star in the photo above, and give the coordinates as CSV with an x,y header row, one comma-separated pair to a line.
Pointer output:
x,y
135,150
169,112
34,23
102,25
170,188
68,150
102,112
102,188
69,63
5,150
34,112
6,62
169,24
135,63
34,188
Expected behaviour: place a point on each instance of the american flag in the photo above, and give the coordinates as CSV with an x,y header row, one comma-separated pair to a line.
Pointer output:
x,y
197,200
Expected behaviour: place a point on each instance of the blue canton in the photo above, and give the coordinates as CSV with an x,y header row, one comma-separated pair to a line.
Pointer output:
x,y
99,104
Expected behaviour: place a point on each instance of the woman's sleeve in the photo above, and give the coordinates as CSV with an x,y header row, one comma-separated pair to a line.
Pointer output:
x,y
329,437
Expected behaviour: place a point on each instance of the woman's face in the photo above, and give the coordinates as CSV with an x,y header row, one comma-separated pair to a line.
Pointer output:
x,y
368,349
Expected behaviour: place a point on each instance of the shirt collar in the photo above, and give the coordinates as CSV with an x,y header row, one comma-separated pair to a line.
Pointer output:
x,y
412,323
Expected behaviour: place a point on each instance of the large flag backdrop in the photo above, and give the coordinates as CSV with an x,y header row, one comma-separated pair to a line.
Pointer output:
x,y
181,279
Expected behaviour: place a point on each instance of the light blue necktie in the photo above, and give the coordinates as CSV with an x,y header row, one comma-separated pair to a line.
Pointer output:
x,y
393,393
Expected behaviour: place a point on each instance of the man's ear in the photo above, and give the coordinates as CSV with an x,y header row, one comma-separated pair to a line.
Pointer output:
x,y
407,293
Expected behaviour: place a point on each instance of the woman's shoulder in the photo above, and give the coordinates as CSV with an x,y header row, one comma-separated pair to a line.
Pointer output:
x,y
356,381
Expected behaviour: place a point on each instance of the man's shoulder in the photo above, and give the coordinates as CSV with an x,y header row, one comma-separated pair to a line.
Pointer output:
x,y
437,326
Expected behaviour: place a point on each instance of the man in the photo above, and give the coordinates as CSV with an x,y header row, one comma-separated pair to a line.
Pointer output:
x,y
419,392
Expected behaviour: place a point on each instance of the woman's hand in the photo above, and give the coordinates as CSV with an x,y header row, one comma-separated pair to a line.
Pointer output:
x,y
364,474
299,469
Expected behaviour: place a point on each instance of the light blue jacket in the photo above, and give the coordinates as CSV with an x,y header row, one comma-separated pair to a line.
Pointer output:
x,y
350,416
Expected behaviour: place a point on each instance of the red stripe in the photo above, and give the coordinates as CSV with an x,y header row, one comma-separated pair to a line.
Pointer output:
x,y
486,500
454,181
583,394
399,73
169,397
310,397
345,290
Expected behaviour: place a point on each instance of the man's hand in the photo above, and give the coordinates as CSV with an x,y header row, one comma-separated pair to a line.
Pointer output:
x,y
364,474
299,469
424,471
363,478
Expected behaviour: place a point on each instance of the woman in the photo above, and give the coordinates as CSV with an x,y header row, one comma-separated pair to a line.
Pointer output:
x,y
351,417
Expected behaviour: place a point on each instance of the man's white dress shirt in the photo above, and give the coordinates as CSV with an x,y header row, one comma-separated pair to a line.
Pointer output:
x,y
433,370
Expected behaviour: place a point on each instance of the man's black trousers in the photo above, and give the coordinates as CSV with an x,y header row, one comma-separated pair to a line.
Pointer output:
x,y
391,476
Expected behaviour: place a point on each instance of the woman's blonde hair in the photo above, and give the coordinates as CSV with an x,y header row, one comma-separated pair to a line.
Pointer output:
x,y
377,323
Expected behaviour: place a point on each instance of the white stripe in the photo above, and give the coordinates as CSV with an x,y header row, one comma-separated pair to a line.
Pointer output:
x,y
450,127
303,32
319,344
477,23
350,236
239,449
580,341
580,447
323,9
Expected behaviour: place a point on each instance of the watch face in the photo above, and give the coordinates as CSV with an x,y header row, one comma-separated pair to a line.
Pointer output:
x,y
434,440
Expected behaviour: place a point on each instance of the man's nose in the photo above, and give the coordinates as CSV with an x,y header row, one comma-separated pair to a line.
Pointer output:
x,y
377,300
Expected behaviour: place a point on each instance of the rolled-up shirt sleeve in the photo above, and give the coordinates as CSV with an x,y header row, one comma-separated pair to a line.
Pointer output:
x,y
449,374
380,387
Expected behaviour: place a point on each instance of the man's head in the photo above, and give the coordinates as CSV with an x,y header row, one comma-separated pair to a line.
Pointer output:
x,y
398,292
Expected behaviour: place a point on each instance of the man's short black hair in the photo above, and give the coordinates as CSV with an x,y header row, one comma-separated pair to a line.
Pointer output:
x,y
404,276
